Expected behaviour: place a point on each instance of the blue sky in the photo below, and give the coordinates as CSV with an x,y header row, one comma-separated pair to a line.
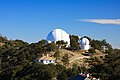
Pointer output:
x,y
32,20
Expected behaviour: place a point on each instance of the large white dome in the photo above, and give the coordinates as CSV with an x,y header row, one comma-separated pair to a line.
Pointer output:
x,y
58,35
84,44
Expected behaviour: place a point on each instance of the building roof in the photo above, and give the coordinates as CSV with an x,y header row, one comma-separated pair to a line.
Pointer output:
x,y
58,35
78,77
46,58
84,41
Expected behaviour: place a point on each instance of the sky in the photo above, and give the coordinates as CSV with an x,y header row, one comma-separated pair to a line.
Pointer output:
x,y
32,20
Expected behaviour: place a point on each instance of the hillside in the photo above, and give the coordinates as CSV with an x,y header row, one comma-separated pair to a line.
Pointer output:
x,y
75,57
17,61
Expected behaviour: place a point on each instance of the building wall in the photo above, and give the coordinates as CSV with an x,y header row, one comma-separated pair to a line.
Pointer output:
x,y
85,47
46,61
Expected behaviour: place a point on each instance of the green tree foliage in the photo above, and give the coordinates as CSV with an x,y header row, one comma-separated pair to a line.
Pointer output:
x,y
51,47
97,44
17,62
37,71
92,50
61,44
42,42
65,59
19,43
60,68
57,54
74,42
66,74
3,39
110,69
62,76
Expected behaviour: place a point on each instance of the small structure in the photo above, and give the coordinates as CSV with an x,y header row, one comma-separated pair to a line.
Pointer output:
x,y
46,60
105,48
78,77
84,44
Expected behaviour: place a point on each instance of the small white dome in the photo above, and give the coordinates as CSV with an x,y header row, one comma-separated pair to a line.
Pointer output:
x,y
58,35
84,44
84,41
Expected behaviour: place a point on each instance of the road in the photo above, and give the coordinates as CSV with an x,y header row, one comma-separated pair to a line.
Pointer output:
x,y
77,57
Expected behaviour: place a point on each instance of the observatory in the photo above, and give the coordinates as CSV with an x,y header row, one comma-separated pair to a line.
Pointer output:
x,y
84,44
58,35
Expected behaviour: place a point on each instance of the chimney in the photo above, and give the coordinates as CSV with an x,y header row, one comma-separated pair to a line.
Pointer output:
x,y
47,55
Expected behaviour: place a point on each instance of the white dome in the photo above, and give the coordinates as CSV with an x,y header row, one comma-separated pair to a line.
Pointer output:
x,y
84,44
58,35
84,41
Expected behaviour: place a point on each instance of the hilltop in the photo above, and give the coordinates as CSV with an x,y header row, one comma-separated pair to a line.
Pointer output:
x,y
73,55
17,60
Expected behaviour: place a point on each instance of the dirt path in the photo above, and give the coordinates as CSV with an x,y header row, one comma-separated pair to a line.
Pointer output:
x,y
77,57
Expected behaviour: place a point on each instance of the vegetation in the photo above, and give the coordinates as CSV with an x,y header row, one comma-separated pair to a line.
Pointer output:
x,y
61,44
74,42
101,45
17,61
110,69
65,59
57,54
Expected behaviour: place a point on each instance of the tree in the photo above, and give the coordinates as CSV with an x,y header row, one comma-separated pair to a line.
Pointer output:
x,y
61,44
42,42
92,50
65,59
62,76
3,39
97,44
110,69
52,47
60,68
57,54
74,42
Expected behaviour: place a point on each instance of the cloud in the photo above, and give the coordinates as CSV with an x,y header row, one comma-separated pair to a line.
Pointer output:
x,y
103,21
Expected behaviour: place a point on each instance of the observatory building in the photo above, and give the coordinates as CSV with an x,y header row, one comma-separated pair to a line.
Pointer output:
x,y
84,44
58,35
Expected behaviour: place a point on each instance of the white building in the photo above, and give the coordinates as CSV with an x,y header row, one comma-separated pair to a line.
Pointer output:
x,y
46,60
84,44
58,35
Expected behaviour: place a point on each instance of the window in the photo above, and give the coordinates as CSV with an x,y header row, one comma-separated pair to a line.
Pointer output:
x,y
42,61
